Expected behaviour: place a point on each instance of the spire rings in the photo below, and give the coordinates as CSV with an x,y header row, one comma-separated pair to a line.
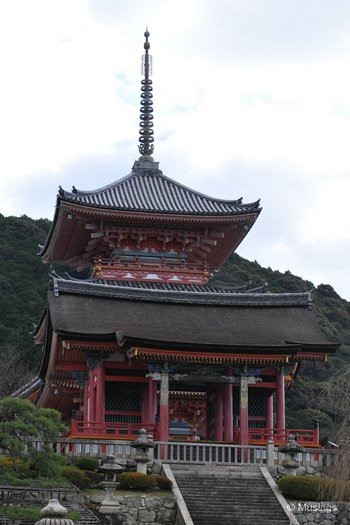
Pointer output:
x,y
146,110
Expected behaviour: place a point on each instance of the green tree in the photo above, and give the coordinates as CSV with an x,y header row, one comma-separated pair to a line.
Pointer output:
x,y
20,421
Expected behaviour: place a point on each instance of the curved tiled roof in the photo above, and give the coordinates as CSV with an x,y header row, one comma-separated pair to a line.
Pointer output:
x,y
182,318
24,391
160,293
146,189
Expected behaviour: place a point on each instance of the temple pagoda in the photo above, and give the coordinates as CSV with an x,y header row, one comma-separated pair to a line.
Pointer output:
x,y
144,340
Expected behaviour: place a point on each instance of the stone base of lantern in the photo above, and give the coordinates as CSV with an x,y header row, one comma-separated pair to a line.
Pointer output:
x,y
109,500
141,463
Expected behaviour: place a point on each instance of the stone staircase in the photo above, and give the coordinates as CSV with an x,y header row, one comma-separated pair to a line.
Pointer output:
x,y
86,516
234,495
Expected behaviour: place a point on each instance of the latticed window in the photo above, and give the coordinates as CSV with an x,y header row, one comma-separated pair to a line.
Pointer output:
x,y
256,402
236,402
121,396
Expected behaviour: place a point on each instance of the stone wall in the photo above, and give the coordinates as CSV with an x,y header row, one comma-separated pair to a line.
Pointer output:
x,y
322,513
134,509
278,471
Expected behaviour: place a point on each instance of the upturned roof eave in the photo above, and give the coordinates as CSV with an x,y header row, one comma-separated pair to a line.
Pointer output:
x,y
128,341
62,205
205,298
72,195
145,212
45,247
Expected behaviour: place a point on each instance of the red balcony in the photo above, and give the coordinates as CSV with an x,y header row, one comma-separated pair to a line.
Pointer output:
x,y
107,430
129,431
304,437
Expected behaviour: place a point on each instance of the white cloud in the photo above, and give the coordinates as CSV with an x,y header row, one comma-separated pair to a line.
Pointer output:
x,y
251,99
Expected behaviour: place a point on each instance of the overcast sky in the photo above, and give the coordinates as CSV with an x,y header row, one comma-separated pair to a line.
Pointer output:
x,y
251,98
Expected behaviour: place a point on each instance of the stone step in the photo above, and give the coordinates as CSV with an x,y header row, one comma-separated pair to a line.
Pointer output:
x,y
86,516
241,520
227,495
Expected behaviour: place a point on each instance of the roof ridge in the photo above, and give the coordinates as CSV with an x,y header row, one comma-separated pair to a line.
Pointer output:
x,y
203,297
76,192
144,172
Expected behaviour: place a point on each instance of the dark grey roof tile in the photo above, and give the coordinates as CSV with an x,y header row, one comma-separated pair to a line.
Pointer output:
x,y
151,191
177,294
190,323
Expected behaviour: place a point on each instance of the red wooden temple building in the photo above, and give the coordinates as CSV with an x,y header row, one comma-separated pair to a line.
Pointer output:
x,y
145,341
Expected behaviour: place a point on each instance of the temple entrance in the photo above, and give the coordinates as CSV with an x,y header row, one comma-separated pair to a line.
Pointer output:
x,y
187,415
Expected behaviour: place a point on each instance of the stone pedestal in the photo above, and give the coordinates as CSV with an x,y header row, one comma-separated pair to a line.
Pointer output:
x,y
55,513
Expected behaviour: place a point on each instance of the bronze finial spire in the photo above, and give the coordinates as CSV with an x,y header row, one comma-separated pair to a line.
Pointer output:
x,y
146,113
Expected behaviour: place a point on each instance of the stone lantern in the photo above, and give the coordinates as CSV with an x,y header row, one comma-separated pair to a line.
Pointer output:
x,y
54,514
110,468
142,445
291,449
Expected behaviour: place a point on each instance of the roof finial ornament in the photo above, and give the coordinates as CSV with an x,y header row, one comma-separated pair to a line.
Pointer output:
x,y
146,113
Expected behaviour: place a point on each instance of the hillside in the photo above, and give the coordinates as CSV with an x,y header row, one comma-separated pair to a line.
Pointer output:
x,y
303,399
24,279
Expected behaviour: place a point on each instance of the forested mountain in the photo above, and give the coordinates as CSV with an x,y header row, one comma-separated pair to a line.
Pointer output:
x,y
24,280
304,401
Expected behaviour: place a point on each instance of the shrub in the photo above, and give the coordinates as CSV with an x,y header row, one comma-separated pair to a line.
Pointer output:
x,y
163,482
76,476
15,513
94,478
87,463
18,466
137,481
309,488
29,513
8,477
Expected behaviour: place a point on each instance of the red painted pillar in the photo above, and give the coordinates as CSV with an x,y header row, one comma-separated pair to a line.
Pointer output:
x,y
243,410
86,400
99,378
210,412
269,415
144,405
92,404
151,401
228,409
219,414
164,406
281,418
155,401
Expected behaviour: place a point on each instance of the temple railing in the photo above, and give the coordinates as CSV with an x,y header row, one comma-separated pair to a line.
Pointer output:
x,y
99,448
190,452
127,430
184,452
321,458
304,437
108,429
10,495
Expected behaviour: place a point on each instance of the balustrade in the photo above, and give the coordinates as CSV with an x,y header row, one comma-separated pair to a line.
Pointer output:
x,y
129,430
190,452
184,452
108,429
